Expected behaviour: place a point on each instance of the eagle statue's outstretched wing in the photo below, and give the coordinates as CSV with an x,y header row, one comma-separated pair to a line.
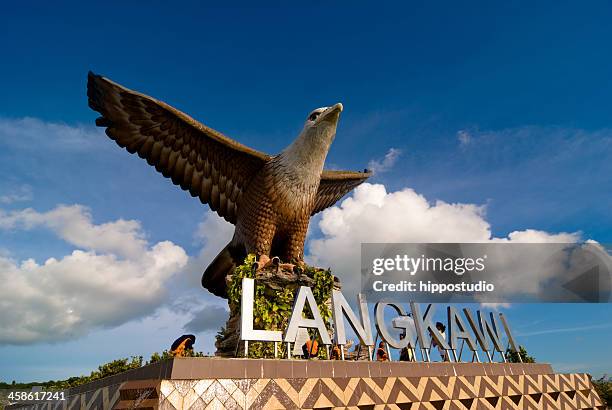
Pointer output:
x,y
209,165
334,185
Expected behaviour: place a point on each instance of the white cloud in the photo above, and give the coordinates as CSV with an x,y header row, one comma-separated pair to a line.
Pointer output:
x,y
116,276
566,330
374,215
204,311
74,225
384,165
22,194
209,318
535,236
213,233
495,306
464,137
31,134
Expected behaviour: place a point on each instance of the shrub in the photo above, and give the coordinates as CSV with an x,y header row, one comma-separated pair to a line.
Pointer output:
x,y
603,387
513,357
272,307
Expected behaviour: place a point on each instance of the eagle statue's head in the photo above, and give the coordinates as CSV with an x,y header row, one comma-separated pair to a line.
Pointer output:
x,y
321,123
306,154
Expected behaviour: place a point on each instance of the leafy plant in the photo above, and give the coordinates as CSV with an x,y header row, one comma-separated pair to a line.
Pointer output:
x,y
272,307
513,357
105,370
166,354
603,387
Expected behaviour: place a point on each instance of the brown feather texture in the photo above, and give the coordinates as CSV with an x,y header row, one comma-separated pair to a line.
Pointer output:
x,y
269,199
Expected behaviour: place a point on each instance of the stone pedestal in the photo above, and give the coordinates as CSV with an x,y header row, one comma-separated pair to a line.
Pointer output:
x,y
216,383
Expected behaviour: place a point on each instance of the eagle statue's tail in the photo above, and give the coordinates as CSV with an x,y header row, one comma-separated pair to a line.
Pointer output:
x,y
213,278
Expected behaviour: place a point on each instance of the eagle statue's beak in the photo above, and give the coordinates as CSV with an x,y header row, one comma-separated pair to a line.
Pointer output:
x,y
331,114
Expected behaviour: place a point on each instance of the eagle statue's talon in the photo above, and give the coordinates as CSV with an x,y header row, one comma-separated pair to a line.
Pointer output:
x,y
287,266
263,262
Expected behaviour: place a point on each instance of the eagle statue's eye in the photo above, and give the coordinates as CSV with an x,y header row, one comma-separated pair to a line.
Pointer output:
x,y
314,116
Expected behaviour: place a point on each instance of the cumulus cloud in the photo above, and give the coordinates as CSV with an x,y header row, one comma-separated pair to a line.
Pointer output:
x,y
383,165
212,234
113,277
74,225
374,215
204,312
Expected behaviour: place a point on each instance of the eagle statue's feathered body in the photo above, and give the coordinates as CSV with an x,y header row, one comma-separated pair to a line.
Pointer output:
x,y
269,199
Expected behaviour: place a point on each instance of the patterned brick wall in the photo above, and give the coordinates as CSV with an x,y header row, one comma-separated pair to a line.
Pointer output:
x,y
206,383
554,391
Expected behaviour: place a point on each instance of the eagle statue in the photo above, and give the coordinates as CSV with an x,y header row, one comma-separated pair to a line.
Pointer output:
x,y
269,198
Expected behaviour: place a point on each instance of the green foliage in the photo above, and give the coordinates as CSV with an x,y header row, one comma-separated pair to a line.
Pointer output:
x,y
513,357
166,354
603,387
105,370
272,308
322,290
117,366
158,357
234,289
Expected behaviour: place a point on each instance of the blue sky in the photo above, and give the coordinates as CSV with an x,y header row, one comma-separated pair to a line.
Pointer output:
x,y
503,106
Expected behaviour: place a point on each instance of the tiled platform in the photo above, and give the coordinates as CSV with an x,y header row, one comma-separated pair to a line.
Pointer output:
x,y
212,383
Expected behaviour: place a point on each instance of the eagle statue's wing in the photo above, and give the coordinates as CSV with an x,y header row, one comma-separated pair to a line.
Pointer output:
x,y
201,160
334,185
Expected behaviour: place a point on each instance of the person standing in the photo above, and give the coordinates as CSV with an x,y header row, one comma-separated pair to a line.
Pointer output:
x,y
441,329
406,354
310,349
335,353
381,353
